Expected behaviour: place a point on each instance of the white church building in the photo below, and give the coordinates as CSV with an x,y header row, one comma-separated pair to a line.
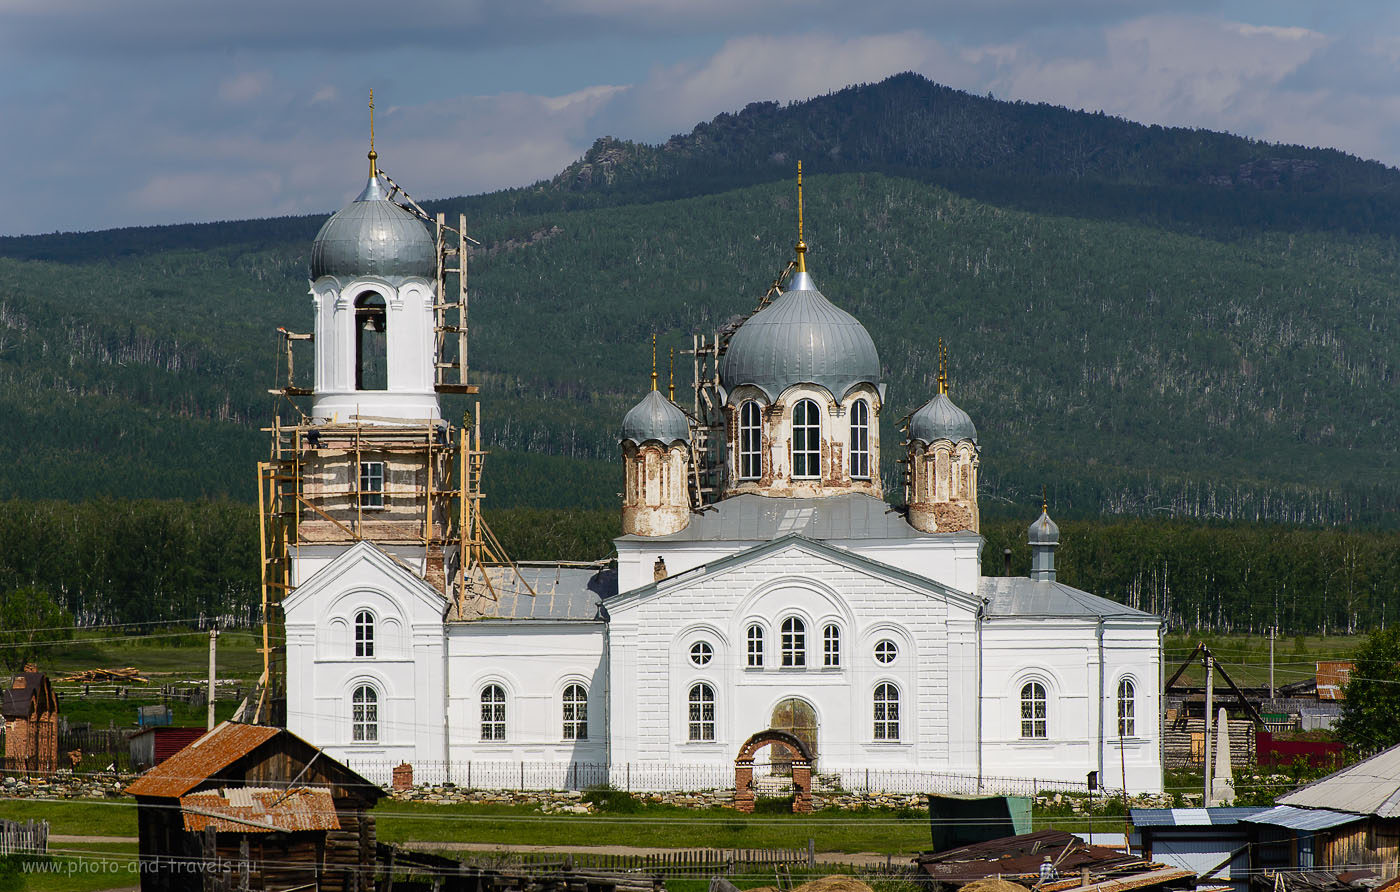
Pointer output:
x,y
794,597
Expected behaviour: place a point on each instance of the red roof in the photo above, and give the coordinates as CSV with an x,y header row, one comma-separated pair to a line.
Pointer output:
x,y
201,760
259,810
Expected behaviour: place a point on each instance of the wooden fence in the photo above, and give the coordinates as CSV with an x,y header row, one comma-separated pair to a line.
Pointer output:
x,y
30,837
678,863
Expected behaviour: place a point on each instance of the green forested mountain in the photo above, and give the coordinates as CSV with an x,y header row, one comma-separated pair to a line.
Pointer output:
x,y
1145,320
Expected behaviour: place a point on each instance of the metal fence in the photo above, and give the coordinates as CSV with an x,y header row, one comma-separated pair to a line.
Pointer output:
x,y
647,777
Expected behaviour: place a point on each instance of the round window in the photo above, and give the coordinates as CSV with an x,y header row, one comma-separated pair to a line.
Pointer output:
x,y
701,652
886,651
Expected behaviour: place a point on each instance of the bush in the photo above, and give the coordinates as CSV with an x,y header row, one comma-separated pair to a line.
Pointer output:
x,y
612,801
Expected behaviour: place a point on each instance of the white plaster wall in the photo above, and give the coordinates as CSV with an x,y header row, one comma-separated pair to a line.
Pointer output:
x,y
534,661
1064,655
652,673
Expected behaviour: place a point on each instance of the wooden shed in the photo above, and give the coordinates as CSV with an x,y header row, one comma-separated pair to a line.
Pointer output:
x,y
31,723
256,808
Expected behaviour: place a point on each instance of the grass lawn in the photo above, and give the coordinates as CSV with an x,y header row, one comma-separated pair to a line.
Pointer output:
x,y
76,817
888,831
1246,657
76,867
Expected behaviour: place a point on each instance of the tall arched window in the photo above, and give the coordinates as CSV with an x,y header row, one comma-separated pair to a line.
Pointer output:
x,y
806,440
493,712
575,712
1127,708
794,643
701,724
750,441
755,637
886,712
371,343
364,715
1033,710
831,647
364,634
860,439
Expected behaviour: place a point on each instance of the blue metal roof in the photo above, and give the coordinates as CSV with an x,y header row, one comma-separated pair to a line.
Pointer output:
x,y
655,418
373,237
940,419
1303,818
1192,817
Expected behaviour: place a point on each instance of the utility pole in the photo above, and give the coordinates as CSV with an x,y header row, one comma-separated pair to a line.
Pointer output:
x,y
1273,633
1210,703
213,644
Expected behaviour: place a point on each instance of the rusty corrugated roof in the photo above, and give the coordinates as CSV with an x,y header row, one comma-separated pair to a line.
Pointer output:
x,y
259,810
1332,677
201,760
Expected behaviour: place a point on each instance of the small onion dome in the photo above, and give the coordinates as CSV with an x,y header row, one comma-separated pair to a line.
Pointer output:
x,y
373,237
655,418
801,338
1043,531
939,419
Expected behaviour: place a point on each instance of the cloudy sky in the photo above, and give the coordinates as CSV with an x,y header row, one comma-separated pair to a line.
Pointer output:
x,y
162,111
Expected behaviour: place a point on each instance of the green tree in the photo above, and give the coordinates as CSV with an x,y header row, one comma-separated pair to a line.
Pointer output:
x,y
31,622
1373,694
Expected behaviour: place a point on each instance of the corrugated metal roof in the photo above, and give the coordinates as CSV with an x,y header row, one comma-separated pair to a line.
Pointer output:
x,y
201,760
1371,787
1303,818
1191,817
756,518
1012,596
560,594
260,810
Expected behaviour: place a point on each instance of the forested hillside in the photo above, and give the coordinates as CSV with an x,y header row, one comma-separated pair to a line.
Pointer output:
x,y
1145,320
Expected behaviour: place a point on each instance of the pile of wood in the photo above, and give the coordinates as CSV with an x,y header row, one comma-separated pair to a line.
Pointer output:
x,y
107,676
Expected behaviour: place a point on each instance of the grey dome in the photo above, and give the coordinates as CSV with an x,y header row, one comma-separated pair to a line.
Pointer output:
x,y
801,338
373,237
655,418
1043,531
939,419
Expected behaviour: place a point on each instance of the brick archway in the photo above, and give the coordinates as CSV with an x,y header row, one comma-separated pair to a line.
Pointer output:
x,y
801,769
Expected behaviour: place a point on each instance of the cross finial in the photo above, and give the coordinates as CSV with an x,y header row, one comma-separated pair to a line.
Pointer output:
x,y
653,362
671,390
373,155
1044,502
801,245
942,367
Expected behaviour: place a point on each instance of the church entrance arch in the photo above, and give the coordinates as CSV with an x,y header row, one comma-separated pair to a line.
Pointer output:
x,y
797,717
798,756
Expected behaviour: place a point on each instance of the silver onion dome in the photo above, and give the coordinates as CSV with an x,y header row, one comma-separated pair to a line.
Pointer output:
x,y
655,418
1043,531
373,237
940,419
801,338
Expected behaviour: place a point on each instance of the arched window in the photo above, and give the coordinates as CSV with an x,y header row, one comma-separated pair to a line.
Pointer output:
x,y
371,343
886,712
364,634
1032,709
755,647
750,441
364,715
1127,708
831,647
806,440
794,643
575,712
702,713
860,439
493,712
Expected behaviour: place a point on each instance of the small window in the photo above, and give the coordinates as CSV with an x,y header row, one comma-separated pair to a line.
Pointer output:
x,y
860,439
1033,710
831,647
371,484
493,712
794,643
364,715
1127,708
886,651
364,634
702,713
806,440
575,712
755,647
701,653
750,441
886,712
